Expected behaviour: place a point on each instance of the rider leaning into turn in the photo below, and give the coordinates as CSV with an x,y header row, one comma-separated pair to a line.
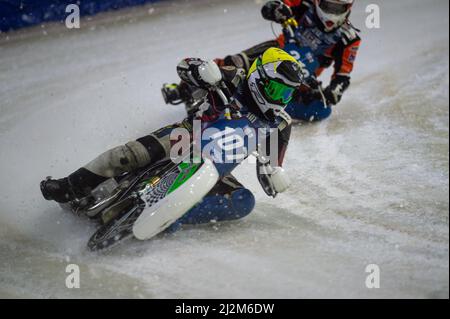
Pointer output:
x,y
261,95
324,27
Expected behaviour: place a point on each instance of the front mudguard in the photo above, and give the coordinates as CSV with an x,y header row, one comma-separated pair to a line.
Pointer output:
x,y
158,216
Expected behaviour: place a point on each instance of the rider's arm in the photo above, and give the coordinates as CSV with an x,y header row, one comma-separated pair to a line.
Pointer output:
x,y
206,74
199,73
276,11
271,176
298,7
343,54
232,78
284,135
202,74
280,11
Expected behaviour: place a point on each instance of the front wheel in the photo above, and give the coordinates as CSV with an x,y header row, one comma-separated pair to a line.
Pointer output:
x,y
117,228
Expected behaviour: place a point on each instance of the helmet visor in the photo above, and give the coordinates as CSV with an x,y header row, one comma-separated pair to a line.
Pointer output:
x,y
333,7
278,93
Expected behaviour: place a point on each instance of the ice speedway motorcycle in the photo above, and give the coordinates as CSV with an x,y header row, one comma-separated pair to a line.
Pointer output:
x,y
146,202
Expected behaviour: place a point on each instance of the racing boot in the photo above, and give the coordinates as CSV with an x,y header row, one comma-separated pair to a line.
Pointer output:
x,y
58,190
77,186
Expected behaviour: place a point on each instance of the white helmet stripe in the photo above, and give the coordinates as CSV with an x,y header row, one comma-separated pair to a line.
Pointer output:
x,y
271,72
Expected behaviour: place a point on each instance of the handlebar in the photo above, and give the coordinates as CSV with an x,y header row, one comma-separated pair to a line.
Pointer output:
x,y
225,99
221,93
289,26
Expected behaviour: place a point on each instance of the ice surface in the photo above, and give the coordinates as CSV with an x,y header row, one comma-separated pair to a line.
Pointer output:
x,y
370,185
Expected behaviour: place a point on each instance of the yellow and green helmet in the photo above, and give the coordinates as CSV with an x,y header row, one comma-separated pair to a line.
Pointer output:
x,y
273,79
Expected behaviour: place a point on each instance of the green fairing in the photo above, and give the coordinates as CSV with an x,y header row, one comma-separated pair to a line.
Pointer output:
x,y
186,172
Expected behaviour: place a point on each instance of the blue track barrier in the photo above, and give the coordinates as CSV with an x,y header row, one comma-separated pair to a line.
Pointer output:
x,y
15,14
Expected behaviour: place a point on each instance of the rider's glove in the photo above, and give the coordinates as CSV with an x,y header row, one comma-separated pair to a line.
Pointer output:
x,y
202,74
273,180
276,11
309,96
333,93
309,92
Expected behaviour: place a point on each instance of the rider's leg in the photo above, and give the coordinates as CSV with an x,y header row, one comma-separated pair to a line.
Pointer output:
x,y
115,162
246,58
112,163
228,200
313,112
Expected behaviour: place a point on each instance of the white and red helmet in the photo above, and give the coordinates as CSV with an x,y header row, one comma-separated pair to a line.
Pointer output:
x,y
333,13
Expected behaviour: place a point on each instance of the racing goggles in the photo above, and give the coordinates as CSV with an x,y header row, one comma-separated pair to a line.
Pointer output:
x,y
277,92
333,7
